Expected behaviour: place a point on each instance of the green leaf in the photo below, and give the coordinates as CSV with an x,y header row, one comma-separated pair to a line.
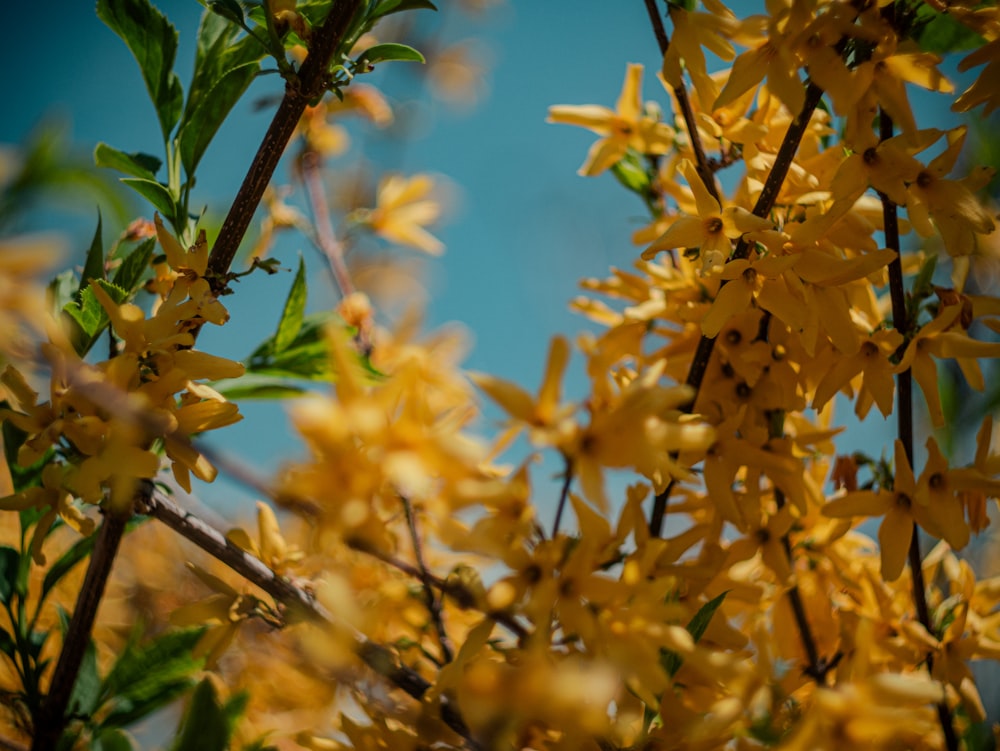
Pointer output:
x,y
205,726
129,274
671,661
89,315
79,550
294,311
198,131
152,39
258,387
154,192
227,9
136,165
83,700
217,58
922,284
385,7
941,33
111,739
148,677
7,645
390,51
10,563
93,267
704,615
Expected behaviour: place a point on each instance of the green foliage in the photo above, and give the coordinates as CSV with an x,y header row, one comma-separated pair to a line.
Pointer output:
x,y
10,561
93,267
152,39
88,318
385,7
136,165
223,70
671,661
293,312
941,33
130,273
208,725
387,52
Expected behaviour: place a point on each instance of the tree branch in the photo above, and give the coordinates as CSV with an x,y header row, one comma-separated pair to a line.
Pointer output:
x,y
377,657
430,599
904,417
299,91
52,716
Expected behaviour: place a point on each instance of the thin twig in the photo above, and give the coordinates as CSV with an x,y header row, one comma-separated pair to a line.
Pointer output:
x,y
310,164
430,599
701,164
818,667
379,658
904,417
456,590
563,493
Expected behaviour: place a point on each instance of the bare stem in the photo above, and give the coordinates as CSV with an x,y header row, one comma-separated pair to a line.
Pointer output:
x,y
563,493
52,716
379,658
818,667
701,164
309,84
430,598
458,591
904,416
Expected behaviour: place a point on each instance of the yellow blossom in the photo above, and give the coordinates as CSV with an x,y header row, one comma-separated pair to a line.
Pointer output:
x,y
623,128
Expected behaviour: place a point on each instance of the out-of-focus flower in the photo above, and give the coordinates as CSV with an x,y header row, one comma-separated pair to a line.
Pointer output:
x,y
457,75
404,206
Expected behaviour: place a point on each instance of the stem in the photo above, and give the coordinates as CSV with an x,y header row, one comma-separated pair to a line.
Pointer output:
x,y
430,599
660,510
377,657
461,594
904,416
299,91
818,667
52,717
310,164
563,493
701,164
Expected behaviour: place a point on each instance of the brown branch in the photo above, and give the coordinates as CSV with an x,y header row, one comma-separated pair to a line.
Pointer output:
x,y
462,595
904,420
424,574
563,493
379,658
818,667
701,163
309,84
52,718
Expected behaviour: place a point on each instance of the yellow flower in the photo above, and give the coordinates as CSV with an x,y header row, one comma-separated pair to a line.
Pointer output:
x,y
871,362
901,508
623,128
941,339
403,208
712,230
692,30
55,501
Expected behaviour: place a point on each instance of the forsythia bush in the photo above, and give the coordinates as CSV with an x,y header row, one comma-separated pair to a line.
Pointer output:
x,y
807,239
